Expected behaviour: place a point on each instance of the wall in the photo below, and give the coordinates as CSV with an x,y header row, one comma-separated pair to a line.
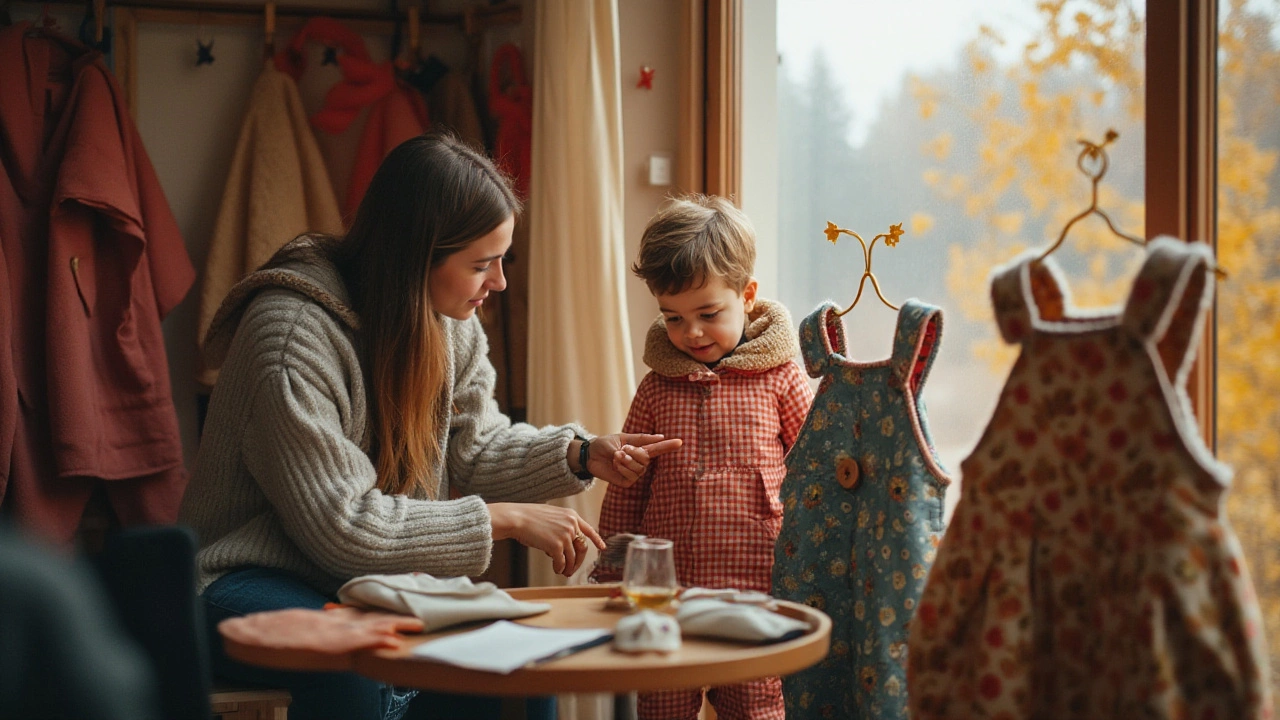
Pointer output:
x,y
650,35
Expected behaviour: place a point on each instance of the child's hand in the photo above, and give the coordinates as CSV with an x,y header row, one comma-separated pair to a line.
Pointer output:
x,y
621,459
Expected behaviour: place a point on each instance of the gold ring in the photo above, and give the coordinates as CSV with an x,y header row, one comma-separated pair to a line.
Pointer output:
x,y
580,538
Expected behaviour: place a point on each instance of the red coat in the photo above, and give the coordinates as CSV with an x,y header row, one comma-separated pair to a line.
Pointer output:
x,y
94,261
717,497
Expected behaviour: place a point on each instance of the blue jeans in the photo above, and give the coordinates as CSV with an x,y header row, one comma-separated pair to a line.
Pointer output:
x,y
338,695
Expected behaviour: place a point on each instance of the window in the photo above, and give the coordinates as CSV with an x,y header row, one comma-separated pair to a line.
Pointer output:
x,y
964,129
1248,312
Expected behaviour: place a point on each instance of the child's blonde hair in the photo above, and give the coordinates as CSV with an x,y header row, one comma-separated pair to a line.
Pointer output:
x,y
695,238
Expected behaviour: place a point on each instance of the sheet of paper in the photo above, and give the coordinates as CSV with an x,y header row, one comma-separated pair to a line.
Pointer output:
x,y
504,646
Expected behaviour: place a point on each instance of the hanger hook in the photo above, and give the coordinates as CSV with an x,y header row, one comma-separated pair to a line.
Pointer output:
x,y
891,238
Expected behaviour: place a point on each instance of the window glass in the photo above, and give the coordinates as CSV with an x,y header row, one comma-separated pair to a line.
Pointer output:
x,y
1248,327
959,120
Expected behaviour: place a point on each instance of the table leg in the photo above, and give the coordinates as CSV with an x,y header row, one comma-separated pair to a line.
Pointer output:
x,y
624,706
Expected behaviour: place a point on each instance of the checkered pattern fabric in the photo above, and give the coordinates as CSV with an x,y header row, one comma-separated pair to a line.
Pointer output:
x,y
717,497
757,700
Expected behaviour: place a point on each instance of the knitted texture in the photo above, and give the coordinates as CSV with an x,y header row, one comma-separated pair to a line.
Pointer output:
x,y
283,479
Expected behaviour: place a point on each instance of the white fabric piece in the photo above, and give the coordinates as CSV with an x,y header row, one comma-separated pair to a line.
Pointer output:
x,y
709,617
580,370
647,631
438,602
505,647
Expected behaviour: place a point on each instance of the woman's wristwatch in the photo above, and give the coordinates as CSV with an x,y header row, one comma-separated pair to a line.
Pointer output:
x,y
584,451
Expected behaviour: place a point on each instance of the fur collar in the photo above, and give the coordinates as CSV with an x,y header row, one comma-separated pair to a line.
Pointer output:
x,y
771,341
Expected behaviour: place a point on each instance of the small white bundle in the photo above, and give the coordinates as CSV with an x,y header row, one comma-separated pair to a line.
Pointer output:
x,y
647,631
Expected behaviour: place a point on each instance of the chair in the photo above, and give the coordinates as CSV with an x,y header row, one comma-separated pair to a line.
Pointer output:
x,y
149,574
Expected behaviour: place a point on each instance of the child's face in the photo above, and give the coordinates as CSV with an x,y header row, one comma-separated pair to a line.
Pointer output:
x,y
706,322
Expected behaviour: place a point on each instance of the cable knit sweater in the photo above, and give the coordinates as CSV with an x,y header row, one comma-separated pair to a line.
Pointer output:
x,y
283,478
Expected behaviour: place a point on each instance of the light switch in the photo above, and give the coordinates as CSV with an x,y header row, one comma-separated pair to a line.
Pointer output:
x,y
660,169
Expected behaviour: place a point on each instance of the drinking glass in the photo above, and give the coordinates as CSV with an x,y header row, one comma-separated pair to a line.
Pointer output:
x,y
649,576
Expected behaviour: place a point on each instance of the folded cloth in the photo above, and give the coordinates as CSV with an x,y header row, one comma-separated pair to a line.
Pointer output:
x,y
647,631
438,602
743,597
710,617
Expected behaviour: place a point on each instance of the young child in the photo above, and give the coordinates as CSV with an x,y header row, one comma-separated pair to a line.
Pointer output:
x,y
724,379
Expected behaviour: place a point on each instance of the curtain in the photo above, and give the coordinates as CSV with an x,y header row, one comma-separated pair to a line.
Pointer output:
x,y
579,345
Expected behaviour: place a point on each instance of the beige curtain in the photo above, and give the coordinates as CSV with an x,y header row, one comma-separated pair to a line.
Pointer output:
x,y
579,346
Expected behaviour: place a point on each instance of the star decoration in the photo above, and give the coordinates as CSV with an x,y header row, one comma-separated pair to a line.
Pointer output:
x,y
646,77
204,53
895,232
330,56
832,232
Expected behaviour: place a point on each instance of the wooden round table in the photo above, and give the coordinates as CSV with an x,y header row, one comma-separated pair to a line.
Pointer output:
x,y
698,663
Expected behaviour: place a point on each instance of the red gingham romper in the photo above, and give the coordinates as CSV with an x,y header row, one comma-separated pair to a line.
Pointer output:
x,y
717,497
1088,571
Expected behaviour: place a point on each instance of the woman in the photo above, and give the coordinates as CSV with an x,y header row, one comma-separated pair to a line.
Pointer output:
x,y
353,428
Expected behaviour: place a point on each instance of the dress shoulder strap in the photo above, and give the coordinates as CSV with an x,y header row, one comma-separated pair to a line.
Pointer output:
x,y
821,336
915,342
1167,303
1025,292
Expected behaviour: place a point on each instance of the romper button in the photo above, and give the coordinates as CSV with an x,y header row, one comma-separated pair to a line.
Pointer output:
x,y
847,472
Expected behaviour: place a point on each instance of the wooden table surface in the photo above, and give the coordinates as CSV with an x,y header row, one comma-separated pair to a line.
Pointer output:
x,y
699,662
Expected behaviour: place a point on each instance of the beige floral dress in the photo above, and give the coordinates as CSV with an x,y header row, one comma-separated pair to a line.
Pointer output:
x,y
1089,571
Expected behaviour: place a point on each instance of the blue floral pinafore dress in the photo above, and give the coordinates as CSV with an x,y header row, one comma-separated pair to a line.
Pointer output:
x,y
863,514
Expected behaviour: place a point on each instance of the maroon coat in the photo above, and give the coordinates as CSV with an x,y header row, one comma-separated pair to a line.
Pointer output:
x,y
94,261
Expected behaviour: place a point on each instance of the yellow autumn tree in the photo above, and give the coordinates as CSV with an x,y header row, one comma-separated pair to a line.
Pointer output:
x,y
1080,74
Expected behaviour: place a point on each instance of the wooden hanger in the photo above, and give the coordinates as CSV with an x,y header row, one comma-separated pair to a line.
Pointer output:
x,y
890,238
1095,154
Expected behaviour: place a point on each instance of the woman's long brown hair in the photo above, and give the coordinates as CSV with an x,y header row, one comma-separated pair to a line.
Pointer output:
x,y
432,196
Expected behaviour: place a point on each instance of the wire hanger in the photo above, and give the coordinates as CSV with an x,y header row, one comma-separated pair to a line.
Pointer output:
x,y
1097,153
1093,152
890,238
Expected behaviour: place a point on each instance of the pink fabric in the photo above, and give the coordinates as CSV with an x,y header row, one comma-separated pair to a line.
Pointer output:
x,y
511,103
94,261
396,112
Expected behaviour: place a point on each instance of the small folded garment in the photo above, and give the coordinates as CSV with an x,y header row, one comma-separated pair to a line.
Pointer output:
x,y
647,631
730,595
710,617
437,602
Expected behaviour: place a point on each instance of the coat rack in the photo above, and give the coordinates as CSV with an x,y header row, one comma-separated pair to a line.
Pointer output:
x,y
833,232
474,20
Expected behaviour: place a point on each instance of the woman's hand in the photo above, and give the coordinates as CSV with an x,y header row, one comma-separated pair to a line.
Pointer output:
x,y
559,532
621,459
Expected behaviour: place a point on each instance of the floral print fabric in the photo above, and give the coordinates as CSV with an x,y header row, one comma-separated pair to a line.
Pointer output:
x,y
1088,571
862,514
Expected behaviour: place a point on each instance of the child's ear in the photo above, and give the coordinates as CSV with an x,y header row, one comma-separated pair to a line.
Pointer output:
x,y
749,295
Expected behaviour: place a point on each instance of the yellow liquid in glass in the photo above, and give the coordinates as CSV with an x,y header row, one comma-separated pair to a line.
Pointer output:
x,y
649,598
